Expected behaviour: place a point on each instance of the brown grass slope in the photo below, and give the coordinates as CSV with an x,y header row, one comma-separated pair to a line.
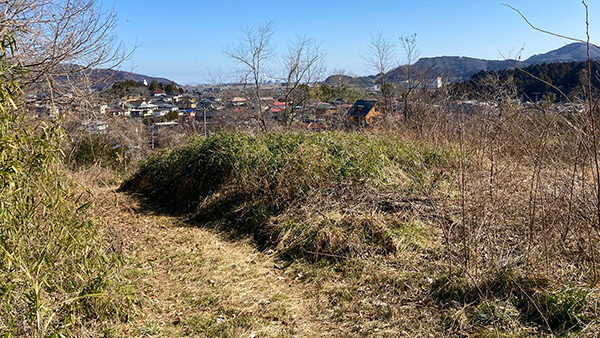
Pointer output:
x,y
392,236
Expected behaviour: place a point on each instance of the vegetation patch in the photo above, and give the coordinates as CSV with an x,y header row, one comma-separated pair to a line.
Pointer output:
x,y
507,301
97,149
58,271
294,191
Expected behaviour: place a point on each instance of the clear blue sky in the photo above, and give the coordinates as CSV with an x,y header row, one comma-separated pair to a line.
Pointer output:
x,y
182,40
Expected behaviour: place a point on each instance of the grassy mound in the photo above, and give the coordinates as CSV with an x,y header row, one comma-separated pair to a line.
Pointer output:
x,y
308,194
371,221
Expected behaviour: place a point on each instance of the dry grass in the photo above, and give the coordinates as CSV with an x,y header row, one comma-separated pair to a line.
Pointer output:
x,y
195,282
474,242
491,233
59,274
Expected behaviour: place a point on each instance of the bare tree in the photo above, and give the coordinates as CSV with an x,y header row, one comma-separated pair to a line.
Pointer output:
x,y
303,65
61,42
251,53
411,55
381,58
500,90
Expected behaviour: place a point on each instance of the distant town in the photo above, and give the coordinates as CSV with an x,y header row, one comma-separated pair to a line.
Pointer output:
x,y
162,107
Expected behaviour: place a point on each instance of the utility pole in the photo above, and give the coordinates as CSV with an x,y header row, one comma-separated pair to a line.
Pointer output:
x,y
152,139
204,109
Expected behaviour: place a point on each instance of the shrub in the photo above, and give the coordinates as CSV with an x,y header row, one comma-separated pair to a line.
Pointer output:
x,y
277,186
505,298
282,166
56,273
97,149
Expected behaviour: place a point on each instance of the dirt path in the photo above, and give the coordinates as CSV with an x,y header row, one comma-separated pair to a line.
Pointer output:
x,y
194,282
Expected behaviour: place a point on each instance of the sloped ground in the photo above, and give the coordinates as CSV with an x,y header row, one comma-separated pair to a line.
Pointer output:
x,y
197,282
194,282
378,241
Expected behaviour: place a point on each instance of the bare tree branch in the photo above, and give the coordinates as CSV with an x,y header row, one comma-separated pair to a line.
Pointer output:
x,y
61,42
546,31
411,55
303,64
381,58
251,53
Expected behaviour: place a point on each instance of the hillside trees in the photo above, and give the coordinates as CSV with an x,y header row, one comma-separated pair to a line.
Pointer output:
x,y
170,88
154,85
338,86
129,88
534,82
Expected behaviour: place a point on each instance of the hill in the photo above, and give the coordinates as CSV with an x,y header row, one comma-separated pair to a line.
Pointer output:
x,y
457,68
101,78
565,78
461,68
110,76
572,52
355,81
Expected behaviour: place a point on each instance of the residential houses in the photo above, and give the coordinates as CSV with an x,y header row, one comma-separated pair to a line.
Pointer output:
x,y
365,112
203,112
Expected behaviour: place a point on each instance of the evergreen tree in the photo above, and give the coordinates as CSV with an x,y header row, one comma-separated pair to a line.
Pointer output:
x,y
154,85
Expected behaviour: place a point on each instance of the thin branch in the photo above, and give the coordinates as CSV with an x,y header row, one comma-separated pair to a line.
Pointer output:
x,y
546,31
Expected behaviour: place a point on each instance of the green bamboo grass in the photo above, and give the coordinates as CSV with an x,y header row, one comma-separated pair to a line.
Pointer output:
x,y
58,276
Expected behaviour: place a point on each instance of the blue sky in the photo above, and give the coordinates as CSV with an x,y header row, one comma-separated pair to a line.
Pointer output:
x,y
183,40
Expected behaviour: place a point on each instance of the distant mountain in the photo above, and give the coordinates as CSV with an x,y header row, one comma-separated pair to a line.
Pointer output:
x,y
572,52
102,78
457,68
111,76
450,68
356,81
460,68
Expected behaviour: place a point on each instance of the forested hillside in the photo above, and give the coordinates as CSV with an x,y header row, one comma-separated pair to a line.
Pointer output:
x,y
534,82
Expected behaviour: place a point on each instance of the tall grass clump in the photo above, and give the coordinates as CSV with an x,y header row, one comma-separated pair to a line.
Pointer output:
x,y
277,165
98,150
57,275
276,186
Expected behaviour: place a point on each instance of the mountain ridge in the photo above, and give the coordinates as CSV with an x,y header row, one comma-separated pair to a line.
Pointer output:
x,y
113,76
460,68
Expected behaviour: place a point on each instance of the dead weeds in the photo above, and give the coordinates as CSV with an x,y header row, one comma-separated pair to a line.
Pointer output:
x,y
195,282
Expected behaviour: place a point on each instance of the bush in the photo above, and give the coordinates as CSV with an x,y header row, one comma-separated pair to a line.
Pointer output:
x,y
505,298
277,186
99,150
57,275
282,166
